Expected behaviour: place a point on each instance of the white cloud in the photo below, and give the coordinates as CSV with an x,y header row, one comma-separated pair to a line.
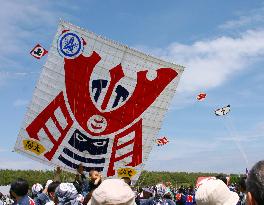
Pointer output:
x,y
209,63
3,150
21,22
250,19
23,164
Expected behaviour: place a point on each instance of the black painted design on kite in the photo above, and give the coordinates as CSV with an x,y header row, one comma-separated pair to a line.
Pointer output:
x,y
83,143
75,166
83,159
121,92
98,85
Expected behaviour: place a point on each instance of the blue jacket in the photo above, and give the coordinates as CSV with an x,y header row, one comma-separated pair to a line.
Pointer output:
x,y
26,200
42,199
153,201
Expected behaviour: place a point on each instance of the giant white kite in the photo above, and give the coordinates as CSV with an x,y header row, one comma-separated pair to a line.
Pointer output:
x,y
98,103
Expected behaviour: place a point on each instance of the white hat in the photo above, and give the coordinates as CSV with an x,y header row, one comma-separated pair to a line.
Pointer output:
x,y
50,203
48,183
215,192
36,188
114,192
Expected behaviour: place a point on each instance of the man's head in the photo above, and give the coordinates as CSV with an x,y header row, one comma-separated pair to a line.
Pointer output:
x,y
19,188
80,169
51,189
222,177
242,184
94,174
255,184
127,180
147,193
36,189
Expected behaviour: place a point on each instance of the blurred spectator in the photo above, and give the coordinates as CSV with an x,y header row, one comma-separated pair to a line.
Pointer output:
x,y
242,190
162,196
1,198
66,194
222,177
19,190
180,196
114,192
215,192
81,182
95,179
127,180
255,184
51,192
36,190
43,197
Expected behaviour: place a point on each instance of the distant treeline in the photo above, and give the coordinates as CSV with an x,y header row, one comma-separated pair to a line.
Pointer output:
x,y
32,176
146,178
177,178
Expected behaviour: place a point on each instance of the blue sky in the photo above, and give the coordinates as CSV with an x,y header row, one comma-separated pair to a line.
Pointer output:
x,y
221,43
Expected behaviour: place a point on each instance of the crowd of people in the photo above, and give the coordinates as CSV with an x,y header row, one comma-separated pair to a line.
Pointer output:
x,y
93,190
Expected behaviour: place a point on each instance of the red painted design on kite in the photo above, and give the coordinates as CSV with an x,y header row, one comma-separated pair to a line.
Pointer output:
x,y
48,113
77,77
136,153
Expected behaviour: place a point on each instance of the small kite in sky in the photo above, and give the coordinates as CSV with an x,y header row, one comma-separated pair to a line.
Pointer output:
x,y
38,51
223,111
162,141
201,96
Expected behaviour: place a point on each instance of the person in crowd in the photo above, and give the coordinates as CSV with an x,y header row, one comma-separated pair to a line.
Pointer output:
x,y
222,177
215,192
51,192
147,193
87,197
180,196
43,197
127,180
190,197
19,191
1,198
143,195
255,184
162,197
47,185
242,190
86,186
57,174
81,181
95,179
66,194
114,192
36,190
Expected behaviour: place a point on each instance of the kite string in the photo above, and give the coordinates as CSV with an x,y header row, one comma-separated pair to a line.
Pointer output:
x,y
233,134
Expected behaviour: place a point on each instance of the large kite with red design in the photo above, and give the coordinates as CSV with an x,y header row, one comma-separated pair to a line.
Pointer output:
x,y
98,103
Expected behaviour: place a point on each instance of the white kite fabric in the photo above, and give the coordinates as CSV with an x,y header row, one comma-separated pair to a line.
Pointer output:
x,y
223,111
98,103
